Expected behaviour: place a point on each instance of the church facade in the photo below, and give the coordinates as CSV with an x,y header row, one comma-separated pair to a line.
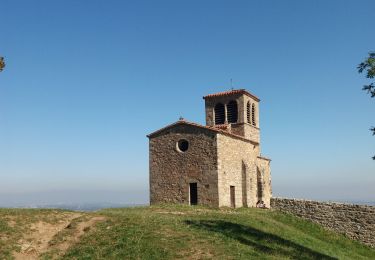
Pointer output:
x,y
217,164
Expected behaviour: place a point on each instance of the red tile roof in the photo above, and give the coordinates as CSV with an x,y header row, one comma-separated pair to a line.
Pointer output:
x,y
232,92
211,128
222,126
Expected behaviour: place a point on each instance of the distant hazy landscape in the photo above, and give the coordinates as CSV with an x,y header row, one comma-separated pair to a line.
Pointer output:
x,y
78,206
92,206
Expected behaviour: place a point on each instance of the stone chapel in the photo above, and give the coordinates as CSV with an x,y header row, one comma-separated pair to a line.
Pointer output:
x,y
217,164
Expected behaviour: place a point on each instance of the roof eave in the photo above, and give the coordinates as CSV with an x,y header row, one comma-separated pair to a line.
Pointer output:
x,y
243,92
216,130
264,158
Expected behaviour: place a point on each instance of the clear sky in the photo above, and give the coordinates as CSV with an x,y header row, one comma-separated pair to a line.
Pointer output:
x,y
87,80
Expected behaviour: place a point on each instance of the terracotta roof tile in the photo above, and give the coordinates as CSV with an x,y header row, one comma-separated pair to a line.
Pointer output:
x,y
223,126
231,92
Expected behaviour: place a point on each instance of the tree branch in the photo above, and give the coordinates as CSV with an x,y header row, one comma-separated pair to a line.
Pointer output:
x,y
370,89
2,64
369,67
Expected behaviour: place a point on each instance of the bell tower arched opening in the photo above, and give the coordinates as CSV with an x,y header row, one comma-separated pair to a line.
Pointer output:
x,y
219,114
232,112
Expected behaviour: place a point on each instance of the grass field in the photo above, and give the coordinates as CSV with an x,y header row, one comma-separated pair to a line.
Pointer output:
x,y
170,232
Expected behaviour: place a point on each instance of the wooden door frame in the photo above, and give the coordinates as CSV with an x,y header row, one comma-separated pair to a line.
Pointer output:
x,y
196,191
232,196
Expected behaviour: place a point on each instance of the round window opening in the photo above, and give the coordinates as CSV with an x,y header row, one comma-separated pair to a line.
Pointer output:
x,y
183,145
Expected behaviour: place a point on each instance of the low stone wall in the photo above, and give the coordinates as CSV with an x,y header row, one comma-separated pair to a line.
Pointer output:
x,y
354,221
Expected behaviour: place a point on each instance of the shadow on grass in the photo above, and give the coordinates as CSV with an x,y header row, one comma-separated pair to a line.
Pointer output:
x,y
260,241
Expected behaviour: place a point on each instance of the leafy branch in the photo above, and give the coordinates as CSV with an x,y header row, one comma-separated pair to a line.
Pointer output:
x,y
2,64
368,66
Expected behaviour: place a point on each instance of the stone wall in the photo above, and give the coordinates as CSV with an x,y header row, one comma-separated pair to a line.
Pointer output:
x,y
354,221
236,158
238,165
246,130
264,174
171,170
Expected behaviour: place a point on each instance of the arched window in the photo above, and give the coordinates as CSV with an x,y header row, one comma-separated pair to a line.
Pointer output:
x,y
219,114
232,112
248,112
253,115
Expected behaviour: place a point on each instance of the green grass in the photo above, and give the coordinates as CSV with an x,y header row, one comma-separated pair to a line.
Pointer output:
x,y
170,232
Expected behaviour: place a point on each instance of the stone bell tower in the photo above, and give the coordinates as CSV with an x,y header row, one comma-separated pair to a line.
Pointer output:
x,y
236,111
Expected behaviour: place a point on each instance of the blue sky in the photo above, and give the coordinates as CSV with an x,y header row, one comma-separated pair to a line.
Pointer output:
x,y
87,80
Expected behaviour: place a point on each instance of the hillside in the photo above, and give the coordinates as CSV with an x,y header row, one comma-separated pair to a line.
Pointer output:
x,y
169,232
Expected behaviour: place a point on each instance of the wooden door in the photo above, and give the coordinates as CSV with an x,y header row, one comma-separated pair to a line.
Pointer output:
x,y
193,193
232,197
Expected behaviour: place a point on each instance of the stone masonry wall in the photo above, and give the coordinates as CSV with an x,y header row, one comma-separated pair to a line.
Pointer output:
x,y
246,130
265,172
171,171
237,166
354,221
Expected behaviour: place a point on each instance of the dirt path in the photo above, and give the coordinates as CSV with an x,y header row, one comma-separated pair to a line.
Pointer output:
x,y
41,234
81,228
